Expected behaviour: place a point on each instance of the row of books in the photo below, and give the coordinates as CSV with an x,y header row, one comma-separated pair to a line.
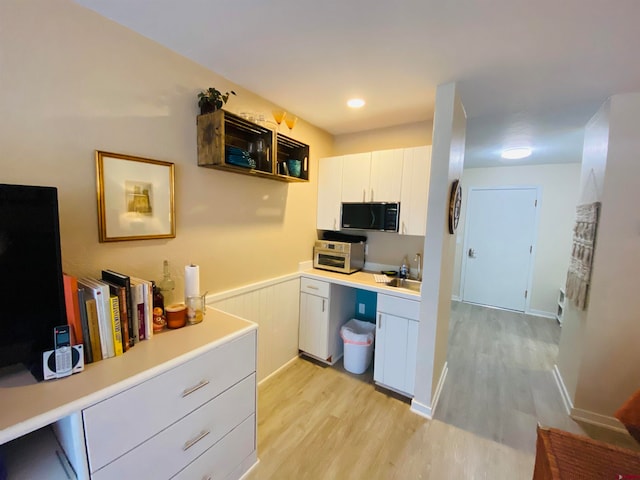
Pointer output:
x,y
108,315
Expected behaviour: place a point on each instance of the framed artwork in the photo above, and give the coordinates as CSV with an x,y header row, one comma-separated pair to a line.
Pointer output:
x,y
135,198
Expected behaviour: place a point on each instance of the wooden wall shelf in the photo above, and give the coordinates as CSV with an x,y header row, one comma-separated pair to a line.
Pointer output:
x,y
233,144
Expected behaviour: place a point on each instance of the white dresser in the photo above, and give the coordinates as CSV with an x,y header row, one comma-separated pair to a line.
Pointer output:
x,y
182,405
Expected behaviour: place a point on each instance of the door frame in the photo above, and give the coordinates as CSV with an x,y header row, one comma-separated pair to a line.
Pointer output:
x,y
532,257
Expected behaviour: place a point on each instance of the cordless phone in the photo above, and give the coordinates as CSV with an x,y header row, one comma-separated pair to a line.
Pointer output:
x,y
62,339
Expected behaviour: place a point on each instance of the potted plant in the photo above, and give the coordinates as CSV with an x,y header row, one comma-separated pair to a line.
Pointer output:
x,y
212,99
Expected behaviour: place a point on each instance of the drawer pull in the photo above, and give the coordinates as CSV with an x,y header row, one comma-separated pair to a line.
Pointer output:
x,y
189,391
193,441
311,287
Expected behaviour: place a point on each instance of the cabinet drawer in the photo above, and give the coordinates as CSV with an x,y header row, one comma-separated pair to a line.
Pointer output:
x,y
120,423
399,306
172,449
314,287
221,459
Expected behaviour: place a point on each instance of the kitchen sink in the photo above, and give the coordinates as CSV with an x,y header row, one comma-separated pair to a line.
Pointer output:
x,y
405,283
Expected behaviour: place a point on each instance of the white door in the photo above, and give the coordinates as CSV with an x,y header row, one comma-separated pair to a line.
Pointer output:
x,y
314,320
499,236
386,176
329,193
356,171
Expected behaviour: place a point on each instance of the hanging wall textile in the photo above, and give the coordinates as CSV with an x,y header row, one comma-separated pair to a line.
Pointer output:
x,y
584,236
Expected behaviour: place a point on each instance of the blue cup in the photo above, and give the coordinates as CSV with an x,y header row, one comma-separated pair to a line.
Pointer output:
x,y
294,167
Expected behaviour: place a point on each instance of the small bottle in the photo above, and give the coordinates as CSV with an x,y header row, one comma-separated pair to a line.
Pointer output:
x,y
159,319
167,284
404,268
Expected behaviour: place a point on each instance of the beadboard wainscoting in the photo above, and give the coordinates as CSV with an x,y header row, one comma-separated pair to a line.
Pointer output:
x,y
274,305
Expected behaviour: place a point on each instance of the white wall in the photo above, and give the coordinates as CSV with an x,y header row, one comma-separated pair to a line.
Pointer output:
x,y
559,192
610,369
447,159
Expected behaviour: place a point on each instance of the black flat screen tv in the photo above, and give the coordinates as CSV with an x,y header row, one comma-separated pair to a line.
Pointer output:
x,y
31,284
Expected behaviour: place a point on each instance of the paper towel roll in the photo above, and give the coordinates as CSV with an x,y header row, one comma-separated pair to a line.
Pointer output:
x,y
191,281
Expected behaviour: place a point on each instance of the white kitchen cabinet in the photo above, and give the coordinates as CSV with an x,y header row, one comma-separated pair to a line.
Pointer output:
x,y
324,308
396,343
372,177
356,171
415,190
329,193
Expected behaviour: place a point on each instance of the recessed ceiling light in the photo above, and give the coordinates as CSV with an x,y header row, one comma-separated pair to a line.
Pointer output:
x,y
516,153
356,103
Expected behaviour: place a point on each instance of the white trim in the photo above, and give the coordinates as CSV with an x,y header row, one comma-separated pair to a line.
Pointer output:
x,y
217,297
278,370
443,377
245,475
541,313
564,393
306,265
534,240
456,298
421,409
605,421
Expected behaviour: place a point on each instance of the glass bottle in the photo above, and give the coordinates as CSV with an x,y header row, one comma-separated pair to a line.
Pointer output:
x,y
159,319
167,284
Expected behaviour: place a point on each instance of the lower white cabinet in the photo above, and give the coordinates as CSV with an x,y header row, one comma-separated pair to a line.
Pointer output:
x,y
396,343
324,308
180,421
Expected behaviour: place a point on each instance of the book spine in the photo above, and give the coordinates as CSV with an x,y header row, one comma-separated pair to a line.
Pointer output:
x,y
94,329
104,315
73,309
86,335
115,324
143,329
124,325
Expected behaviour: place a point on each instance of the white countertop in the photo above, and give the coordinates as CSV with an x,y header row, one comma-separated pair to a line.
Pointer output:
x,y
24,409
363,280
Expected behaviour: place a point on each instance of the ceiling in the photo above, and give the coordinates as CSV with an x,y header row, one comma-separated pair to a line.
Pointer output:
x,y
527,71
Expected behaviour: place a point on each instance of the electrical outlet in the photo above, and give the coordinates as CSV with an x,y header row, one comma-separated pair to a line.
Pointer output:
x,y
361,308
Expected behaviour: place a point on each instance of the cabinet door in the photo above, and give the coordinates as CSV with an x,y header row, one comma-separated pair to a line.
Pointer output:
x,y
329,193
314,321
356,171
386,176
380,349
415,190
395,353
412,352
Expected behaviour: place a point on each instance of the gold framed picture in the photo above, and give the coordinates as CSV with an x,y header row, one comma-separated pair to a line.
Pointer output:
x,y
135,198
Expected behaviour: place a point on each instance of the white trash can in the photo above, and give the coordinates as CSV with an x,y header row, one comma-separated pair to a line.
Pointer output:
x,y
358,339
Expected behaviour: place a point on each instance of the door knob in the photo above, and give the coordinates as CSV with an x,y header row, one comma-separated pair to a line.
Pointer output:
x,y
472,253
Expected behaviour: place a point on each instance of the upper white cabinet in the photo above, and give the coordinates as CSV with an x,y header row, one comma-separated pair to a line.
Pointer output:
x,y
329,193
372,177
356,171
415,190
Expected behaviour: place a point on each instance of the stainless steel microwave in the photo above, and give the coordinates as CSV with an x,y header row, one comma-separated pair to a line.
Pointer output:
x,y
381,216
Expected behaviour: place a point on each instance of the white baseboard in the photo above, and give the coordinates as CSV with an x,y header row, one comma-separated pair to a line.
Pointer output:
x,y
564,393
275,372
456,298
421,409
443,377
424,410
541,313
593,418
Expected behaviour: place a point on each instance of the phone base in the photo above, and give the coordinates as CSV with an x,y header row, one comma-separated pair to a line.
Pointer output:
x,y
49,361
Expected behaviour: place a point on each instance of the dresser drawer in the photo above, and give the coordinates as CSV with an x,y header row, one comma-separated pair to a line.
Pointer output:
x,y
168,452
226,455
124,421
314,287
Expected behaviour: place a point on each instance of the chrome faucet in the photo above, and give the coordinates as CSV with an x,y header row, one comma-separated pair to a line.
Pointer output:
x,y
418,260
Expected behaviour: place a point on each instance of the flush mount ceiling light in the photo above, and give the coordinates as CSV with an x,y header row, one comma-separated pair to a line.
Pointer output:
x,y
356,103
516,153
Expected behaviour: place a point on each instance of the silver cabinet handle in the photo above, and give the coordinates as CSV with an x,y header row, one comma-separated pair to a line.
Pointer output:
x,y
311,287
193,441
190,390
323,300
379,321
208,477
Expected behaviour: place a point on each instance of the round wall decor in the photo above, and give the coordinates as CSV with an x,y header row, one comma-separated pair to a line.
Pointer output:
x,y
455,202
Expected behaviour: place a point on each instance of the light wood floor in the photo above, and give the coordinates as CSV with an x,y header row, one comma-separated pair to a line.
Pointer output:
x,y
317,422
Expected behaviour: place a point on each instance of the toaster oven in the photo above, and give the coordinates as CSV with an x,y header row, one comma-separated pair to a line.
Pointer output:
x,y
340,257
